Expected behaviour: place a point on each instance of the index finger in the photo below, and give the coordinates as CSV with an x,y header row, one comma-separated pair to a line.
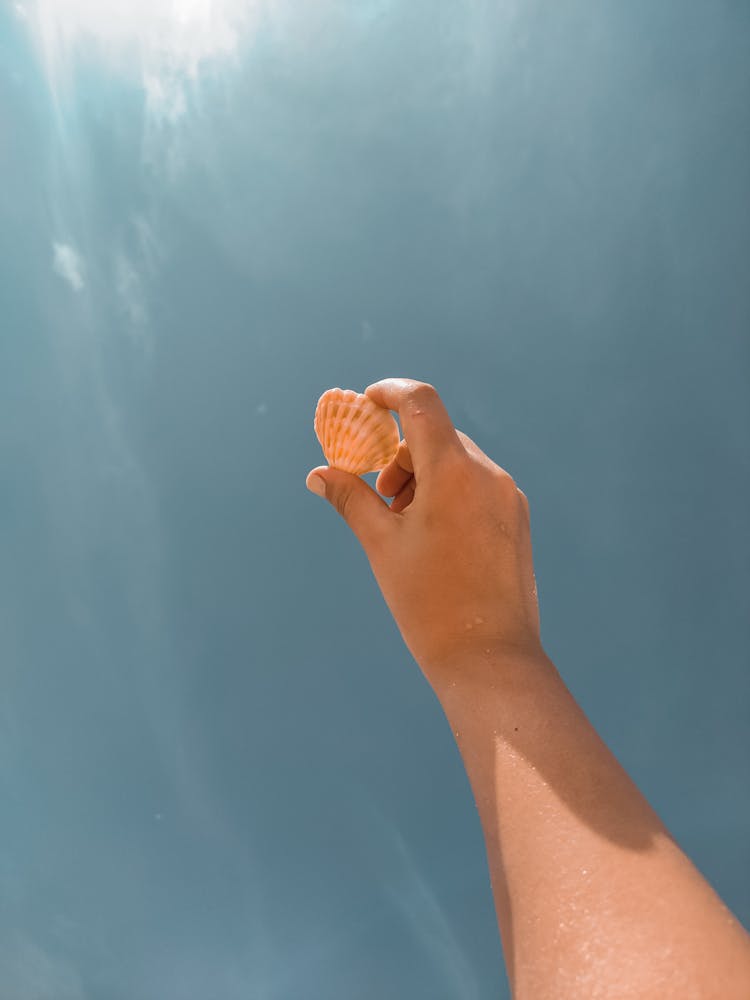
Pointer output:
x,y
425,423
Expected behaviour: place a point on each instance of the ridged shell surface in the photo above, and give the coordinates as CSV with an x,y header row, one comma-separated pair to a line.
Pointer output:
x,y
356,435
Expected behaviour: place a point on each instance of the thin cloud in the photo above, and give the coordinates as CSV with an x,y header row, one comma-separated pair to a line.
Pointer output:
x,y
165,99
131,298
68,264
419,905
423,912
130,291
136,263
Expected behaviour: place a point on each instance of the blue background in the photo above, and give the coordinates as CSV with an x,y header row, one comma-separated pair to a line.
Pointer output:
x,y
221,774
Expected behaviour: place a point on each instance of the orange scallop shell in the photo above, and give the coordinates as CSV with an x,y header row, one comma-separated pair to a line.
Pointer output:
x,y
356,435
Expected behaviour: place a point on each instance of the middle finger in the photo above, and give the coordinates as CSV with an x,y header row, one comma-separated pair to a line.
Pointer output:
x,y
397,473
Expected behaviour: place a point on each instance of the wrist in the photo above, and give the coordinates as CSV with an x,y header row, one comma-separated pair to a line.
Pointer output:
x,y
471,679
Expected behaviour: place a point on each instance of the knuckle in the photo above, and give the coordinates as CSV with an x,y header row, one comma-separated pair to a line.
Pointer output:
x,y
505,494
503,481
525,509
454,464
421,392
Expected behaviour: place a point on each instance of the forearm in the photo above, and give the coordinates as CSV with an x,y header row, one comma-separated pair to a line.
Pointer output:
x,y
593,897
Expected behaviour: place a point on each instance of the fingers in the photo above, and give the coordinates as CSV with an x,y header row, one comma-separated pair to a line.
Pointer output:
x,y
398,472
404,497
367,514
403,457
425,423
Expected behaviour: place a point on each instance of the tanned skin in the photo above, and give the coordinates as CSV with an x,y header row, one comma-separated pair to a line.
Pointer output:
x,y
594,898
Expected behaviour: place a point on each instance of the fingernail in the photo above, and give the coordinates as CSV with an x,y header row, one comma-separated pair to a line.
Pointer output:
x,y
316,485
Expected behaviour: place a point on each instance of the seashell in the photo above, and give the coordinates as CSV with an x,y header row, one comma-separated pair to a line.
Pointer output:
x,y
356,435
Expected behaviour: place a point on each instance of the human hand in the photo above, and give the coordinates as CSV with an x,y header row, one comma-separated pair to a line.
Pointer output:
x,y
452,553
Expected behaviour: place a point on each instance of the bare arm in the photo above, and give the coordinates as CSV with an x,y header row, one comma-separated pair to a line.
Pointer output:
x,y
593,897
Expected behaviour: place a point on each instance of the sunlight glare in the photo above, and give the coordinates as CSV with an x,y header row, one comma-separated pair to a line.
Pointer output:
x,y
146,38
125,20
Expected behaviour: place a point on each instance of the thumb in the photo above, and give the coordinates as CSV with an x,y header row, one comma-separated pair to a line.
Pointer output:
x,y
366,513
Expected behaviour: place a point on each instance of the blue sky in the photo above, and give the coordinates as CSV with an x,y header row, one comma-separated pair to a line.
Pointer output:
x,y
223,775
